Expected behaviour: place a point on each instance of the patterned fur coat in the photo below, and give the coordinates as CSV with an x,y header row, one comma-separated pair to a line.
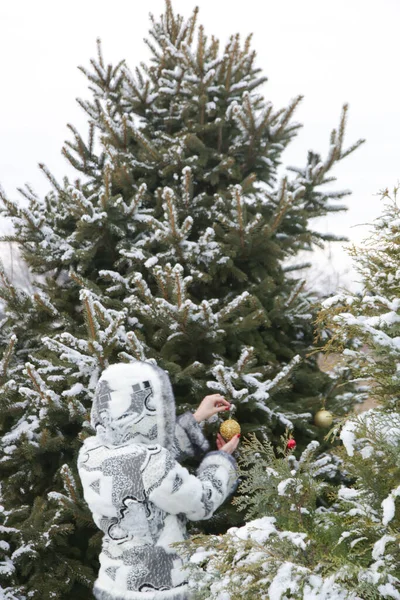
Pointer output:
x,y
139,495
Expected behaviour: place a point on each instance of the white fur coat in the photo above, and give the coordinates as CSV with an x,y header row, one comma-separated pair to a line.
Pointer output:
x,y
139,495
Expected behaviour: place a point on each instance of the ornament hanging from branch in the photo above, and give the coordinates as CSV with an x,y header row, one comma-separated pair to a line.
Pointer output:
x,y
291,444
323,418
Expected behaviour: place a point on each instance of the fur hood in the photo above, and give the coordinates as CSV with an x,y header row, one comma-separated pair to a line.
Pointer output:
x,y
134,403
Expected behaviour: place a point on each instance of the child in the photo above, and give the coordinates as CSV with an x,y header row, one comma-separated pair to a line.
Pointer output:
x,y
140,496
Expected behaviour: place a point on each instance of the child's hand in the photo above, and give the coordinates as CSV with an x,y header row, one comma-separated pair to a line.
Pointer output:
x,y
209,406
230,446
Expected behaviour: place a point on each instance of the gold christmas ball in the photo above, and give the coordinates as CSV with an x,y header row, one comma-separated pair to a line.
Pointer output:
x,y
229,429
323,418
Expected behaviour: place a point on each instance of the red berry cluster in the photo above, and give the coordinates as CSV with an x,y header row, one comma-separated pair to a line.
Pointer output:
x,y
291,444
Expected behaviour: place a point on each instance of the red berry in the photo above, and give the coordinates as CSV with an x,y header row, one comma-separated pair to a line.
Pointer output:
x,y
291,444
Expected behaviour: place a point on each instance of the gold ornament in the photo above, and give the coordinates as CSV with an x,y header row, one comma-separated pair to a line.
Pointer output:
x,y
323,418
229,429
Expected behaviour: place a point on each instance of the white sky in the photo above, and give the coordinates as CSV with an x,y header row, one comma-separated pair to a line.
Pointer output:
x,y
331,51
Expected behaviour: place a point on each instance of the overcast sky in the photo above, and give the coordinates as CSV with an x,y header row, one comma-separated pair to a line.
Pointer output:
x,y
331,51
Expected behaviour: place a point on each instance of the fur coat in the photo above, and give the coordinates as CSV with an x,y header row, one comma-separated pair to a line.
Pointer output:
x,y
139,494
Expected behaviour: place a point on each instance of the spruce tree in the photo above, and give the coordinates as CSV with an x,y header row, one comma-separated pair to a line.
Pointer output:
x,y
308,538
169,247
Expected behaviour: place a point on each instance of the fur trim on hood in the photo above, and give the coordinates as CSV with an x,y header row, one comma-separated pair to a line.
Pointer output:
x,y
134,403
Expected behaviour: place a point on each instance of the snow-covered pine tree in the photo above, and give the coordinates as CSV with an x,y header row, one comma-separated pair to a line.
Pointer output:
x,y
169,248
365,328
307,539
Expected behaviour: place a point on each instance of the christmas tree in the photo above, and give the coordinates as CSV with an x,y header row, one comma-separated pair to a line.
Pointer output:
x,y
309,538
169,247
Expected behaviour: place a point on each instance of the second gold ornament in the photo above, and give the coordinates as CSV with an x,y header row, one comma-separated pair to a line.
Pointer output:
x,y
323,418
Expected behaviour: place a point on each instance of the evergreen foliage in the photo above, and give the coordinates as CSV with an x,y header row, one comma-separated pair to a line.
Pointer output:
x,y
309,539
169,247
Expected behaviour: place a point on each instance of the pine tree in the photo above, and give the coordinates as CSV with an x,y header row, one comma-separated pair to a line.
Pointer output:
x,y
308,538
169,247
